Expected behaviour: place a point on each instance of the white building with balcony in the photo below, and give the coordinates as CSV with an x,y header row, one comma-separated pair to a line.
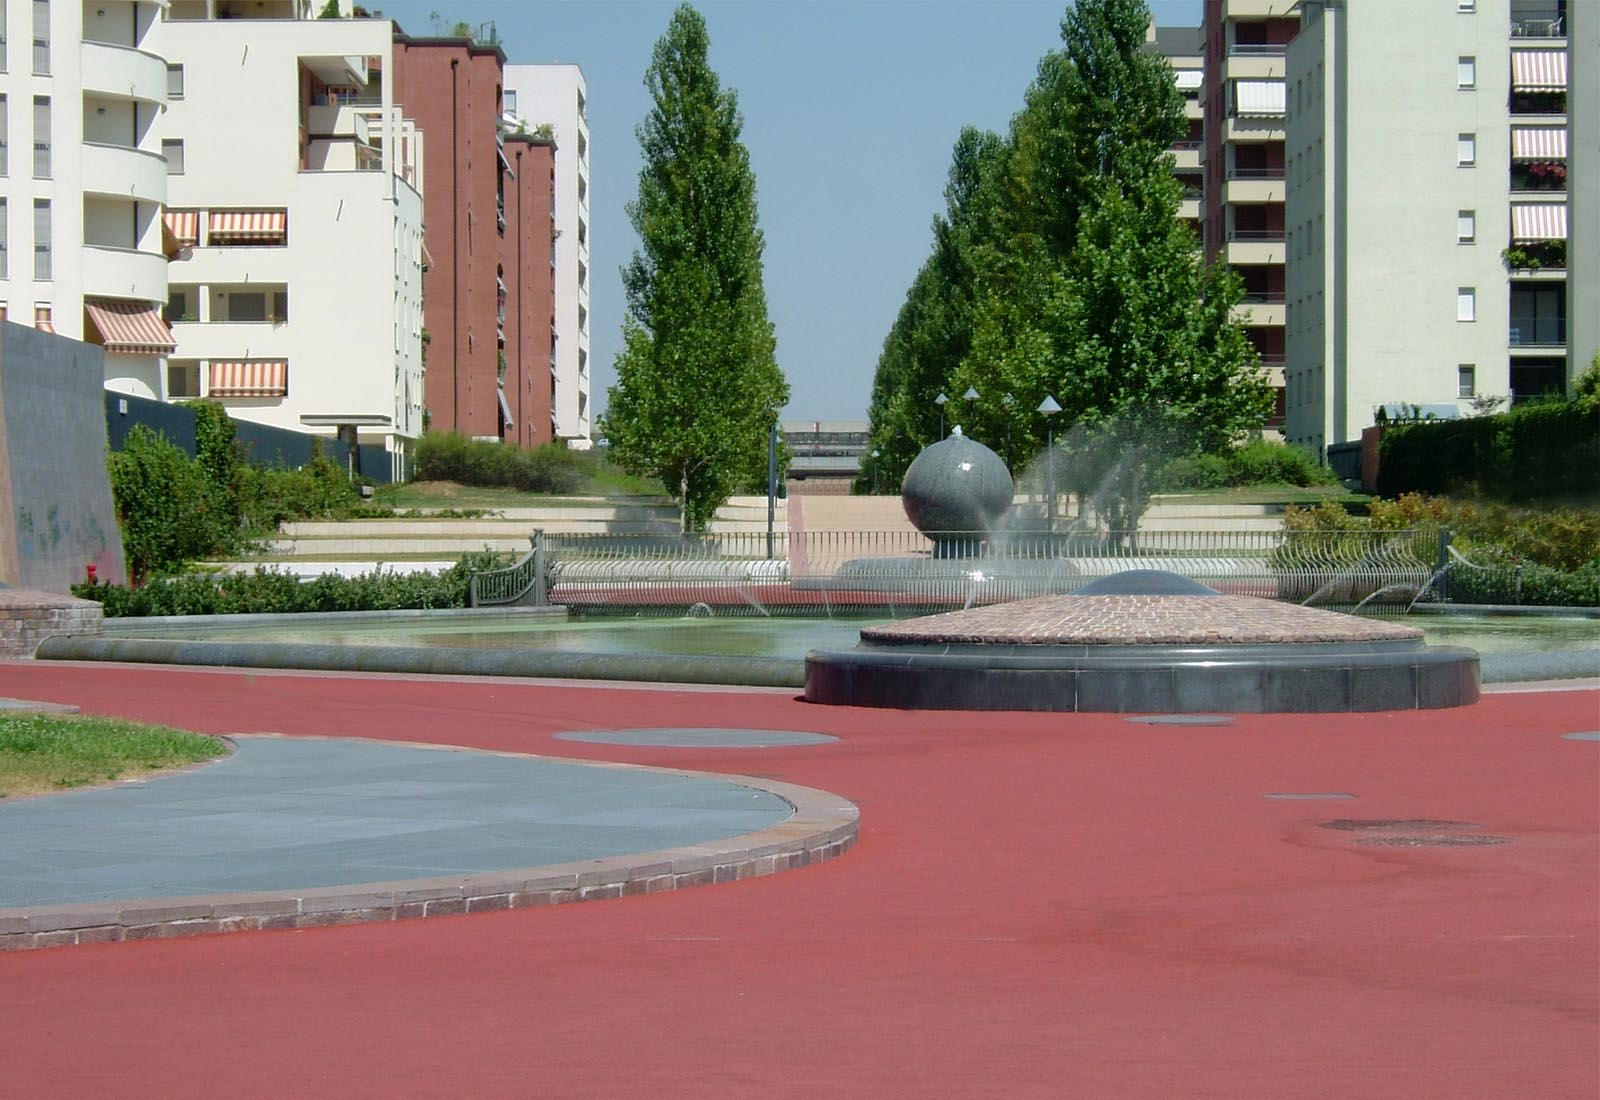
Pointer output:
x,y
82,180
294,209
1427,208
558,96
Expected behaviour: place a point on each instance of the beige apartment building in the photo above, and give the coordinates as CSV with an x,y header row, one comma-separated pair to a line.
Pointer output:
x,y
1426,232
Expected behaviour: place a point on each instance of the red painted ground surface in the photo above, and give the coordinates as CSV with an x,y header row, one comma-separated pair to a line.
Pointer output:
x,y
1041,906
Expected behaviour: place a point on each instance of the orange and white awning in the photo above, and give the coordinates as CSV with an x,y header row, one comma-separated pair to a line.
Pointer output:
x,y
1538,143
1538,221
41,319
135,328
184,225
1538,70
247,225
249,378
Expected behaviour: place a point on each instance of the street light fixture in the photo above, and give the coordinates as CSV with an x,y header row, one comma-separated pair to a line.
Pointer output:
x,y
1048,407
971,398
1008,401
941,401
875,453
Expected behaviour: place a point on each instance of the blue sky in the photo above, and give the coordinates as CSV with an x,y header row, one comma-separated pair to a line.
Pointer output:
x,y
850,107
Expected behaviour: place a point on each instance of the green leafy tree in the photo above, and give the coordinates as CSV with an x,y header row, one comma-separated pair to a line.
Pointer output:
x,y
167,508
698,385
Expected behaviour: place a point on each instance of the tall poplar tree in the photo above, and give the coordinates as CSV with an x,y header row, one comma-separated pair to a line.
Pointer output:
x,y
698,385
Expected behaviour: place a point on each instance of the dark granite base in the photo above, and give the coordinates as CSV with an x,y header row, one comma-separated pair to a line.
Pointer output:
x,y
1289,678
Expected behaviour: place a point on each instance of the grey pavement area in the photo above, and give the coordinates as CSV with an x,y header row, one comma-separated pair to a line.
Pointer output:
x,y
697,738
285,813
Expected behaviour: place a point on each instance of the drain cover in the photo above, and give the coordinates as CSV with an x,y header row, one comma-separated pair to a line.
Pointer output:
x,y
1436,840
1182,719
1397,824
697,738
1588,735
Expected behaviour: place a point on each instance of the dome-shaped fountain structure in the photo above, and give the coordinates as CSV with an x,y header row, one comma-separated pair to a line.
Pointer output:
x,y
1144,641
955,493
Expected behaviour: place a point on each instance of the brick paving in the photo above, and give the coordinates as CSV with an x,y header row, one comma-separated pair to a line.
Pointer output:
x,y
28,617
1140,620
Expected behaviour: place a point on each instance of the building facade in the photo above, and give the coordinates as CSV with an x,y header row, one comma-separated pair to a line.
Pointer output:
x,y
1583,187
1427,210
1245,44
556,96
81,239
295,215
527,287
1184,49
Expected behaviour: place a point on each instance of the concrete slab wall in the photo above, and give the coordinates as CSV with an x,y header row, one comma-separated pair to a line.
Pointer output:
x,y
56,513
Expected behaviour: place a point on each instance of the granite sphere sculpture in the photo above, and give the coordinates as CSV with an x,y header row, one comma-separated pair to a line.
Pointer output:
x,y
956,491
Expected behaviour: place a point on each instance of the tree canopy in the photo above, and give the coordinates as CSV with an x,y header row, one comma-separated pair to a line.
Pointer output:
x,y
698,384
1076,279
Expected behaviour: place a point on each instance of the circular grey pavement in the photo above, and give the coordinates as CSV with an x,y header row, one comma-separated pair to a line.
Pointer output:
x,y
1587,735
697,738
300,813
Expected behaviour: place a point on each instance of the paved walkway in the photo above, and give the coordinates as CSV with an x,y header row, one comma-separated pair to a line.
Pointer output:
x,y
1039,906
292,813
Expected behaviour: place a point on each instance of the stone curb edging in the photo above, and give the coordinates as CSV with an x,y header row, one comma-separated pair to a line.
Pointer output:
x,y
824,826
148,626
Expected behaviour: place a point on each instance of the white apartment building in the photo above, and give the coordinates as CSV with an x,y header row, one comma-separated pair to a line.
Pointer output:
x,y
80,207
1426,214
558,96
1583,187
293,187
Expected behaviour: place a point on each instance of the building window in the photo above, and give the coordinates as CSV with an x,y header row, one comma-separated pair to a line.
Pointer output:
x,y
1466,304
41,137
1466,380
1466,226
178,306
5,237
5,138
172,149
174,81
1466,149
41,239
1466,7
183,379
41,37
510,98
1466,72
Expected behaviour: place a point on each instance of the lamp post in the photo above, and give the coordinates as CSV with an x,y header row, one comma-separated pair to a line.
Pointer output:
x,y
1048,407
941,401
971,398
875,453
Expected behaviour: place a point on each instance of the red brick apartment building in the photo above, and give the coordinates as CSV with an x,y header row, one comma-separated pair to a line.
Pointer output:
x,y
488,292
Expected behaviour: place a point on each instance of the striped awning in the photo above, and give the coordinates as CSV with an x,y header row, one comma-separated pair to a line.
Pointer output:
x,y
250,378
184,225
41,319
1538,70
1538,143
1188,79
1538,221
248,225
1259,97
135,328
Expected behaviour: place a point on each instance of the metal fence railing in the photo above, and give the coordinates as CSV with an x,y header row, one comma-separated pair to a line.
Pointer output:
x,y
894,570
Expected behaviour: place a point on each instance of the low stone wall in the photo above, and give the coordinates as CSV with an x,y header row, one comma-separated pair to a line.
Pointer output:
x,y
28,618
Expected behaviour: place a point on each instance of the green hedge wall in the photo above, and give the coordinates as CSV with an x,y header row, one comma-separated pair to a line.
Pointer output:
x,y
1541,448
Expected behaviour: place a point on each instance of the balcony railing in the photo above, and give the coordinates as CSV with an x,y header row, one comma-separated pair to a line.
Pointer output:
x,y
1237,173
1537,334
1257,49
1255,234
1524,27
41,160
1272,358
1188,143
41,261
1262,298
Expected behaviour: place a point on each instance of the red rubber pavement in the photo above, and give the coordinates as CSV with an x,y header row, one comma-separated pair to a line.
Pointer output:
x,y
1040,906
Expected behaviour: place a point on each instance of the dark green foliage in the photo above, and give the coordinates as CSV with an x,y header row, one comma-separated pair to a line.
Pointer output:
x,y
264,592
169,511
698,385
1258,462
1539,448
1503,578
447,456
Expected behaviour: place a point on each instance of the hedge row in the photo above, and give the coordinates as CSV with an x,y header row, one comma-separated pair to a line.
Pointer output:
x,y
266,592
1547,447
447,456
1256,463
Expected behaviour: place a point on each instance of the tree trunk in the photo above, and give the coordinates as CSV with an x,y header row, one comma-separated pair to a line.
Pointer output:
x,y
683,503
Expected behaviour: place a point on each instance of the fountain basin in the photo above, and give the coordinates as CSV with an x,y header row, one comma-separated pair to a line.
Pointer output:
x,y
1144,642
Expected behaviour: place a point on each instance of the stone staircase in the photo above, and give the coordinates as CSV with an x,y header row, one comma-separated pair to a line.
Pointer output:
x,y
426,542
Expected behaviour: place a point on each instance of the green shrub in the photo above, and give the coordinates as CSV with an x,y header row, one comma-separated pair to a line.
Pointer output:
x,y
169,511
1538,448
268,592
1256,463
319,490
448,456
1198,472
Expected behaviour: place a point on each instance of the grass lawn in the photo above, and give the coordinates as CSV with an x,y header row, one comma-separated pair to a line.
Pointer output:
x,y
1269,494
447,494
52,752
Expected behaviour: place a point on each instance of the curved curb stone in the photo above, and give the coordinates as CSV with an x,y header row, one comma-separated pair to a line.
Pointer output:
x,y
824,826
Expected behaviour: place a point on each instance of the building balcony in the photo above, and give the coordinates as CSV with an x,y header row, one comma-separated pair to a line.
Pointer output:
x,y
1261,310
1189,209
122,72
231,340
124,172
124,273
1253,63
1546,27
343,121
1186,155
1255,246
1253,186
1193,108
1254,128
1260,9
